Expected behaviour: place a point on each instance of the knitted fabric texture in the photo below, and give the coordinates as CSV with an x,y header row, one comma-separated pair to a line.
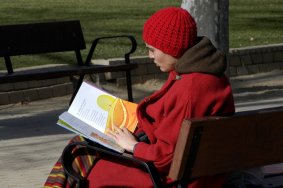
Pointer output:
x,y
171,30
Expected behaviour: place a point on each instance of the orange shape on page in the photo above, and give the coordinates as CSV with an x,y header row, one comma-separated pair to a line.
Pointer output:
x,y
124,115
120,113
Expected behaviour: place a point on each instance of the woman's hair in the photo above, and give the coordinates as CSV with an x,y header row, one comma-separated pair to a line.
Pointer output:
x,y
172,30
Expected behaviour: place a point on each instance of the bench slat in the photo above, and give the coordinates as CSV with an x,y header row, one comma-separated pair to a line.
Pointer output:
x,y
41,38
61,71
227,144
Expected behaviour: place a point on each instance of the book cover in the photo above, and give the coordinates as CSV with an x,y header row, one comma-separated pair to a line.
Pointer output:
x,y
93,111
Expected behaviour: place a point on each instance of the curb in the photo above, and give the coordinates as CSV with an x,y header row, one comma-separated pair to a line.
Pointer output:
x,y
24,92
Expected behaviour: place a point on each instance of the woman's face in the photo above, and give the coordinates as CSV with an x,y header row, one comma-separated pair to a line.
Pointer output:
x,y
165,62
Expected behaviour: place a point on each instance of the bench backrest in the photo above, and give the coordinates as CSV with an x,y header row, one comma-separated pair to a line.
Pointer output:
x,y
216,145
38,38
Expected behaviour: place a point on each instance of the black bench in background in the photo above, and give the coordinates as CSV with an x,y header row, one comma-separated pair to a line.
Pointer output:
x,y
49,37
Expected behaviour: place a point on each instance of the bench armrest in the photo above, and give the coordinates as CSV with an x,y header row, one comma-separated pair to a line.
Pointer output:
x,y
126,56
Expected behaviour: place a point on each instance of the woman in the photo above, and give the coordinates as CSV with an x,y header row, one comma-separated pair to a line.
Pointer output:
x,y
196,87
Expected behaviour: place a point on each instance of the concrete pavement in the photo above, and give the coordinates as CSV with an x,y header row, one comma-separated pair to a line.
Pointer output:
x,y
31,142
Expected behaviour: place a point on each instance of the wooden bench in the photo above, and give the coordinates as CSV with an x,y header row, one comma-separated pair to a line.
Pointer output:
x,y
49,37
215,145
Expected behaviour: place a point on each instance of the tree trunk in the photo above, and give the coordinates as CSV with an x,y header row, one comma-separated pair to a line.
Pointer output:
x,y
212,19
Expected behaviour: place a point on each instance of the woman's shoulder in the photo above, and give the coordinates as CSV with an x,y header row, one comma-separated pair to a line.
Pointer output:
x,y
196,78
200,83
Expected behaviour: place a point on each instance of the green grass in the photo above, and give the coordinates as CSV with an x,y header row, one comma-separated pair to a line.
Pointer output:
x,y
252,22
255,22
98,18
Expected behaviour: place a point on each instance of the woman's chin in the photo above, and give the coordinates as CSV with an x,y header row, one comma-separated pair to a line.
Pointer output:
x,y
163,70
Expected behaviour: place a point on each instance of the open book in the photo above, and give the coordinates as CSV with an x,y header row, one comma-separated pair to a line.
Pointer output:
x,y
93,111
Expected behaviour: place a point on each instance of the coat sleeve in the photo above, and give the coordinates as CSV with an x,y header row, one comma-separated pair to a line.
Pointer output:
x,y
161,151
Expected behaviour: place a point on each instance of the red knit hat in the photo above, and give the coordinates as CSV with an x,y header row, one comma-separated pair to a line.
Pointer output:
x,y
171,30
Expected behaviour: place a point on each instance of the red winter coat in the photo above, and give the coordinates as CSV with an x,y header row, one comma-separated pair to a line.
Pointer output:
x,y
190,91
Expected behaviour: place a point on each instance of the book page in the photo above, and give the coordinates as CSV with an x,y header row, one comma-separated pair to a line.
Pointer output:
x,y
93,111
86,108
102,110
68,121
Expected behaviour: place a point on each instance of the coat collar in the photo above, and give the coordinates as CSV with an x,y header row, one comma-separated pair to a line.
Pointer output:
x,y
202,57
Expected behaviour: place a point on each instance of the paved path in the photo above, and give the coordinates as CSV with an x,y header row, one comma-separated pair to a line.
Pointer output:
x,y
258,91
31,142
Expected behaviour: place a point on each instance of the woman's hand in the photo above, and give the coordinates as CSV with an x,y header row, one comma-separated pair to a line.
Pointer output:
x,y
123,137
